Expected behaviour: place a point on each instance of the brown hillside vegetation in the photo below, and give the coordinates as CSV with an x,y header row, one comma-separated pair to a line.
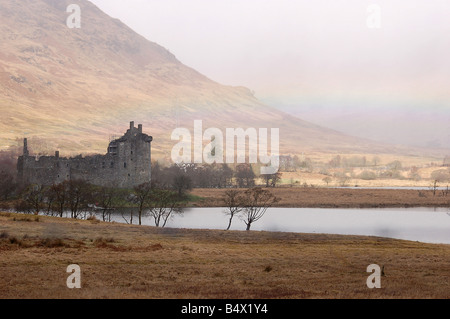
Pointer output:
x,y
123,261
337,197
71,89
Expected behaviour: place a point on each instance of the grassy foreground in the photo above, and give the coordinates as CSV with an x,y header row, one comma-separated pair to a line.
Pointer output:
x,y
125,261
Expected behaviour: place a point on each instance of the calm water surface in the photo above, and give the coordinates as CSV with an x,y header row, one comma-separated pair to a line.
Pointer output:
x,y
431,225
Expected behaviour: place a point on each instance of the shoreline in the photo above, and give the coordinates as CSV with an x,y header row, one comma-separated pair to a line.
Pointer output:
x,y
147,222
323,197
300,197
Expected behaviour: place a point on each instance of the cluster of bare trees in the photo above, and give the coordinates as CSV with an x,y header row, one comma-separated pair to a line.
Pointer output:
x,y
79,200
250,205
353,161
8,183
439,177
188,176
158,203
73,196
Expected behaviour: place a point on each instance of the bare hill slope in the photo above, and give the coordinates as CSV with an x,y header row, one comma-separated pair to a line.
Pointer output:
x,y
70,89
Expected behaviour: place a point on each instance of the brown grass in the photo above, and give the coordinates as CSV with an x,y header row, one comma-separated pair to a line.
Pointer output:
x,y
337,197
126,261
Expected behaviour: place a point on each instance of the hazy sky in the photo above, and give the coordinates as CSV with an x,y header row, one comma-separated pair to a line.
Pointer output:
x,y
308,55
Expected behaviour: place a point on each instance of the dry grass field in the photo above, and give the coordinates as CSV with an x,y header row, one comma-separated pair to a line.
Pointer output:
x,y
337,197
125,261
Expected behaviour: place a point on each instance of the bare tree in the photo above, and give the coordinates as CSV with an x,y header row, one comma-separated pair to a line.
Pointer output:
x,y
49,201
34,198
441,175
163,204
141,196
124,211
414,174
376,160
245,177
335,162
182,183
234,202
395,165
257,201
79,194
272,179
445,193
434,187
343,179
225,176
327,180
59,195
105,199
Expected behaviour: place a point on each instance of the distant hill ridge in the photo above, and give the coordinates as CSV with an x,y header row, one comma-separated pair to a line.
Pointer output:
x,y
70,89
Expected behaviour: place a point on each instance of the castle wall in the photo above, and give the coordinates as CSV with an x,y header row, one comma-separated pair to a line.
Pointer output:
x,y
127,164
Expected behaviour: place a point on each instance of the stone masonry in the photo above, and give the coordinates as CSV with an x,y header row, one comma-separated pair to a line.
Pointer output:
x,y
126,164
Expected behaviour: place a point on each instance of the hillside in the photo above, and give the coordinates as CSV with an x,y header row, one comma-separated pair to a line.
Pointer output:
x,y
71,89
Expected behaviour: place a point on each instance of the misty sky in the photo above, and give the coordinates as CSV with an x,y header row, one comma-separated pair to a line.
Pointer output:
x,y
317,59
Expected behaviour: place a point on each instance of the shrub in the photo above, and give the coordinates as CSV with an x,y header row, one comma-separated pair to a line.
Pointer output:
x,y
51,242
101,242
441,175
368,175
15,241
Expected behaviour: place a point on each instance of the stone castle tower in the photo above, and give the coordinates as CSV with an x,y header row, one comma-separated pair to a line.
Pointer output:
x,y
126,164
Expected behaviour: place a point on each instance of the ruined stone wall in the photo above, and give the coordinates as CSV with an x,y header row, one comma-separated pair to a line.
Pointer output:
x,y
127,164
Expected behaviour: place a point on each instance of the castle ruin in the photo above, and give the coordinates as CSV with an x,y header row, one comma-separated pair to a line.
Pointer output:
x,y
126,164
